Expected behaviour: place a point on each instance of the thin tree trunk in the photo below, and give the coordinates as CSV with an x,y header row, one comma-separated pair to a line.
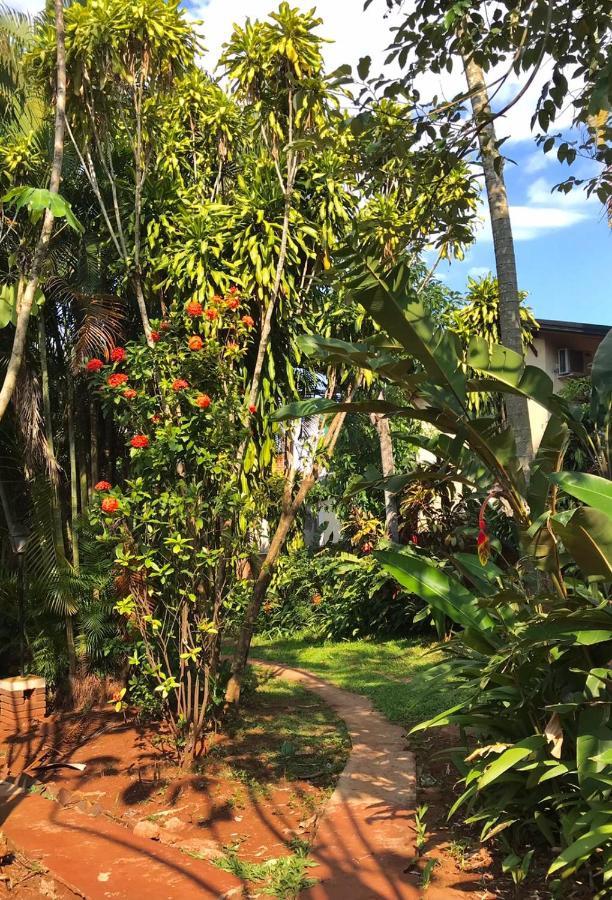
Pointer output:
x,y
286,521
505,261
25,299
93,442
383,429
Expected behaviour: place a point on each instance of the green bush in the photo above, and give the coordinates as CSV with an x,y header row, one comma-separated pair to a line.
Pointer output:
x,y
335,595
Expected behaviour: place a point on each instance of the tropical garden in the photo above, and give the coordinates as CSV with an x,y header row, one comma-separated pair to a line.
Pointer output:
x,y
220,329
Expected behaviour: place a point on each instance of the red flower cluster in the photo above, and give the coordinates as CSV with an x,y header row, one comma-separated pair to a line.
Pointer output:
x,y
203,401
179,384
195,342
110,505
130,393
156,419
252,408
164,326
217,300
94,365
155,336
118,354
211,314
248,321
116,380
233,289
140,441
102,486
233,303
194,309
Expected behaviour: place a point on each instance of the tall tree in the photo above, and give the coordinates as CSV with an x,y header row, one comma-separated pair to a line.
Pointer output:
x,y
27,288
505,260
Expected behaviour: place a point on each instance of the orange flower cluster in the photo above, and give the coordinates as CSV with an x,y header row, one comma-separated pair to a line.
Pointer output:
x,y
110,505
139,441
203,401
102,486
94,365
116,380
155,336
211,314
130,393
195,342
118,354
248,321
179,384
194,309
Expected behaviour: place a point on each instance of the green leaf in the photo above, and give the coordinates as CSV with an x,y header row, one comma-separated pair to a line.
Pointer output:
x,y
37,200
547,460
301,409
424,578
594,738
601,371
587,536
510,757
582,848
507,369
589,489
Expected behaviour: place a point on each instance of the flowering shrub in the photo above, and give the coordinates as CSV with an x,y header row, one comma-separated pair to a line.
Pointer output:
x,y
180,519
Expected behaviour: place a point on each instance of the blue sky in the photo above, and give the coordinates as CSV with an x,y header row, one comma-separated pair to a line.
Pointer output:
x,y
563,244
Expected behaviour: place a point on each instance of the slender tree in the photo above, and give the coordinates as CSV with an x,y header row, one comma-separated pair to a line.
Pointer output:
x,y
27,290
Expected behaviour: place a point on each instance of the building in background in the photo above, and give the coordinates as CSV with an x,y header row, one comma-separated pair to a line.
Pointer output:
x,y
563,350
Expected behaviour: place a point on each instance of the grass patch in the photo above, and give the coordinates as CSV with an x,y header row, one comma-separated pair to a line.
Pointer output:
x,y
393,674
282,877
284,731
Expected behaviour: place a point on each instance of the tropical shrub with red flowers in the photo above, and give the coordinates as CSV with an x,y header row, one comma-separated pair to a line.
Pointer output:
x,y
178,516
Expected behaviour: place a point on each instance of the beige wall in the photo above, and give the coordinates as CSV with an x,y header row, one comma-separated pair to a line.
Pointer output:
x,y
544,355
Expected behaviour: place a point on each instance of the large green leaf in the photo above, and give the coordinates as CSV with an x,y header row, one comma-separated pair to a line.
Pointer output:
x,y
547,460
582,848
510,757
601,371
424,578
507,370
37,200
8,303
437,349
301,409
587,536
589,489
594,738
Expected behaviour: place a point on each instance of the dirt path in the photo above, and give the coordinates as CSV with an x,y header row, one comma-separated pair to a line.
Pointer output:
x,y
363,841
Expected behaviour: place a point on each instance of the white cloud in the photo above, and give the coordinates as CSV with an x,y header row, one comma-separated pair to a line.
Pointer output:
x,y
353,33
540,193
537,162
478,271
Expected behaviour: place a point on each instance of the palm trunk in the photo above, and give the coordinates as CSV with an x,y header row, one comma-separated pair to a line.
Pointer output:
x,y
505,262
383,429
26,298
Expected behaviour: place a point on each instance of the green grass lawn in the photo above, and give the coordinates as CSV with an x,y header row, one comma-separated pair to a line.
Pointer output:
x,y
393,674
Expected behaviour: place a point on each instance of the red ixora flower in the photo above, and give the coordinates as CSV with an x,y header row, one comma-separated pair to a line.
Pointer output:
x,y
118,354
212,314
94,365
194,309
179,384
116,380
195,342
140,441
252,408
110,505
216,300
102,486
130,393
233,289
155,336
156,419
164,326
233,303
248,321
203,401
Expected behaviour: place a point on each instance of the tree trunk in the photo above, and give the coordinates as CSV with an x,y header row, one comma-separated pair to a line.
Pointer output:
x,y
288,516
505,262
25,299
383,429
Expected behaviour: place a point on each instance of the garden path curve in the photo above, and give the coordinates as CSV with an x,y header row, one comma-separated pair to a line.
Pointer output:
x,y
362,846
364,839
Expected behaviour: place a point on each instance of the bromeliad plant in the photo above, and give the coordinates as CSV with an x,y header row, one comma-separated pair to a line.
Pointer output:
x,y
533,627
179,519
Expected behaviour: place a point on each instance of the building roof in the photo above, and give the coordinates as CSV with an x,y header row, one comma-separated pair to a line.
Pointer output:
x,y
557,327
